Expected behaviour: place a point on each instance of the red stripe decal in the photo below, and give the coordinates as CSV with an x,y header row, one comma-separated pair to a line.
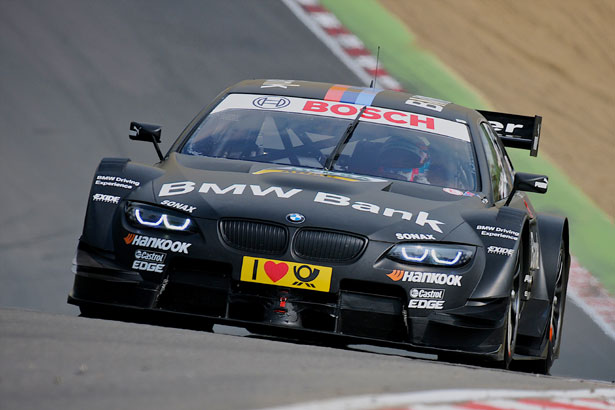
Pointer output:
x,y
336,92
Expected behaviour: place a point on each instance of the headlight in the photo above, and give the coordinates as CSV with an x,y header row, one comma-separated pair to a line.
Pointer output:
x,y
147,216
432,254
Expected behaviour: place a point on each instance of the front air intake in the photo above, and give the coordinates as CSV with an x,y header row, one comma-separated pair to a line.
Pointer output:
x,y
328,245
253,236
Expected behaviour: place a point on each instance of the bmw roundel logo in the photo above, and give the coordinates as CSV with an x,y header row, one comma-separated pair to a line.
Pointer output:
x,y
295,218
271,102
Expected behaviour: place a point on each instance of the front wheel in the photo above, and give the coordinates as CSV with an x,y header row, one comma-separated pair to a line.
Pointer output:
x,y
514,312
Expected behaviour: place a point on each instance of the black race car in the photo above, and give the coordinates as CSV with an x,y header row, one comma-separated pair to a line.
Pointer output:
x,y
354,213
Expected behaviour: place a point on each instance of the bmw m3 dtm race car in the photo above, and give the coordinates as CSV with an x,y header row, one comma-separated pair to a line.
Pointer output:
x,y
348,212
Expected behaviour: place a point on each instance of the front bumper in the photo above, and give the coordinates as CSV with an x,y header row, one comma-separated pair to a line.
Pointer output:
x,y
358,312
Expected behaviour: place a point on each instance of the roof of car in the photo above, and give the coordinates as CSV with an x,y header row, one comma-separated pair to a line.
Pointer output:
x,y
357,95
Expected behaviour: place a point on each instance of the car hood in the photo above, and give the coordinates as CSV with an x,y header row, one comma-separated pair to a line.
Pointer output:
x,y
215,188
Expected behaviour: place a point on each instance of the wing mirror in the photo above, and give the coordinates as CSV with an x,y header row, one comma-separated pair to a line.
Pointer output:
x,y
529,183
148,133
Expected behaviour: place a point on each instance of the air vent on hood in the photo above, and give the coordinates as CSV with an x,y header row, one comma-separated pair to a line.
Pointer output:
x,y
327,246
254,236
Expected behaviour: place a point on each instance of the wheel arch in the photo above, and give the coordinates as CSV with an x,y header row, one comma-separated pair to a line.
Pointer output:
x,y
552,230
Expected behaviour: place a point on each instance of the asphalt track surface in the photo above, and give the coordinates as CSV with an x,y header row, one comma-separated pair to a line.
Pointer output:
x,y
72,76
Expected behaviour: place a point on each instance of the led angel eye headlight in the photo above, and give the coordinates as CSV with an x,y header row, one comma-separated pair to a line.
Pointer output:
x,y
432,254
147,216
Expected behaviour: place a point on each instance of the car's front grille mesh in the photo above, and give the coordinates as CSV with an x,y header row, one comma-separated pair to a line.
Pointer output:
x,y
254,236
327,245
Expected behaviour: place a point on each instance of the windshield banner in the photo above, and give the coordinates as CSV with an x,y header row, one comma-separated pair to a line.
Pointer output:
x,y
385,116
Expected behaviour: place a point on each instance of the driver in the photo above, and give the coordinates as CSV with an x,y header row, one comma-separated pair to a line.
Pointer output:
x,y
401,159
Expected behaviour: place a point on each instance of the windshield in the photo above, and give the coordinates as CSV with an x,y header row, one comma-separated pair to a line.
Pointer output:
x,y
273,130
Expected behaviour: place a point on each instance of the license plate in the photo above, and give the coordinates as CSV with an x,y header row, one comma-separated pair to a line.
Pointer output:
x,y
286,274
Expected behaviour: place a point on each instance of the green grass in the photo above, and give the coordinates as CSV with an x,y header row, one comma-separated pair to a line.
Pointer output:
x,y
592,233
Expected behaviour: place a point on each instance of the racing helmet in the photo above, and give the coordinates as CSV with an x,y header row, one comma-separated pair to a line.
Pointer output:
x,y
403,159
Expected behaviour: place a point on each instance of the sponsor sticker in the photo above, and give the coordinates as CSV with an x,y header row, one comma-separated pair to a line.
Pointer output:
x,y
148,266
427,102
541,184
184,187
426,304
449,279
402,119
506,128
157,243
177,205
500,251
278,84
110,199
144,255
415,236
116,182
320,173
497,232
453,191
271,101
421,293
286,274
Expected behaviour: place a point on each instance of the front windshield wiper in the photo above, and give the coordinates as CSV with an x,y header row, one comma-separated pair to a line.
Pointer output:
x,y
335,154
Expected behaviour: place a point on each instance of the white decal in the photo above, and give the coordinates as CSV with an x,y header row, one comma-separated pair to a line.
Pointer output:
x,y
426,304
500,251
258,191
176,188
177,205
418,293
403,119
148,266
340,200
510,127
415,236
541,184
279,84
237,189
117,182
421,219
150,256
184,187
110,199
453,191
535,250
497,232
427,102
156,243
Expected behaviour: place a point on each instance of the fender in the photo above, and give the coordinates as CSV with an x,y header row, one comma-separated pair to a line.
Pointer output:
x,y
501,232
533,324
552,229
114,180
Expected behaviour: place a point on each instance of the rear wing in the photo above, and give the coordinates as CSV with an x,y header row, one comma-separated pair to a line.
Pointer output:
x,y
516,131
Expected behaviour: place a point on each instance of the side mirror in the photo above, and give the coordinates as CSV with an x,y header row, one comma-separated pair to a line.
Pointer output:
x,y
528,183
531,182
148,133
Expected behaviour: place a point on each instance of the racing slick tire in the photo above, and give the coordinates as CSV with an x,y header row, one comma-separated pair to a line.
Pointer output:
x,y
514,311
